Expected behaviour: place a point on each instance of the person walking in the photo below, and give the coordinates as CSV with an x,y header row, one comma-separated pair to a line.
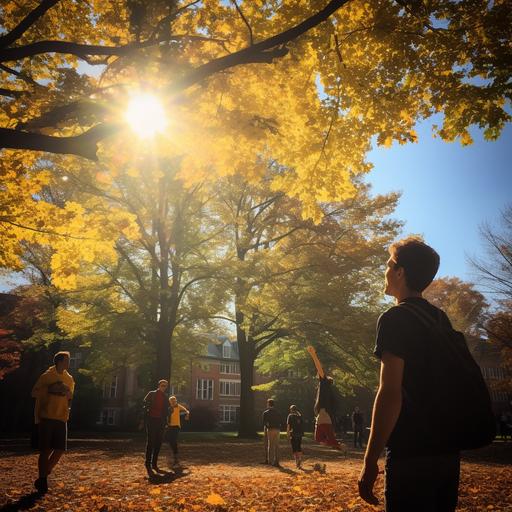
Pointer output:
x,y
272,429
156,411
53,392
357,427
174,425
295,431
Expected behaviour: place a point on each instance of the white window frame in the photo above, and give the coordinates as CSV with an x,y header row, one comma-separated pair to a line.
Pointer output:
x,y
110,388
229,387
75,359
228,413
230,368
204,389
108,417
226,350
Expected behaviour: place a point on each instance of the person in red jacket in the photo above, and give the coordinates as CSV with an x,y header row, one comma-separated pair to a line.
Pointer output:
x,y
156,409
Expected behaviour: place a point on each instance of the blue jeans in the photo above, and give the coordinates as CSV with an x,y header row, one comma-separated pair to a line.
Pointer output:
x,y
427,483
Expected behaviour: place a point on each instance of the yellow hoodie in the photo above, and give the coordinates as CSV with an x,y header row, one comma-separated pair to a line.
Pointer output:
x,y
48,405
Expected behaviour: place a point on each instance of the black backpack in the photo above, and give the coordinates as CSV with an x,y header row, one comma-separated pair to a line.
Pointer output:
x,y
457,414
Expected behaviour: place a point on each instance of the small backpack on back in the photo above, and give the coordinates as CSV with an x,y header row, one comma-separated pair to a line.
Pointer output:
x,y
457,414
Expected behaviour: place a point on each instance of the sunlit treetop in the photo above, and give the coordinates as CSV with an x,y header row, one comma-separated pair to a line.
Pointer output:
x,y
305,85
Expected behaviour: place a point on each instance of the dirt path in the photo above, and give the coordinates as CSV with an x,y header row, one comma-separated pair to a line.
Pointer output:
x,y
223,476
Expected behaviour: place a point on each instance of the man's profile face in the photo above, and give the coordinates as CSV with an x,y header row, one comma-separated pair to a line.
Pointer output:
x,y
64,363
391,277
162,386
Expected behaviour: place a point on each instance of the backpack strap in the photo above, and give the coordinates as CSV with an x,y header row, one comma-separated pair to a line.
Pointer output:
x,y
426,319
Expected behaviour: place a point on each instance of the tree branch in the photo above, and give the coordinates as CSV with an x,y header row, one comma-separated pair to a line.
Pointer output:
x,y
251,40
86,144
26,23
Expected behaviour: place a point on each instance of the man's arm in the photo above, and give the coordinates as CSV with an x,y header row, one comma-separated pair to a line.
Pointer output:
x,y
386,410
318,364
186,411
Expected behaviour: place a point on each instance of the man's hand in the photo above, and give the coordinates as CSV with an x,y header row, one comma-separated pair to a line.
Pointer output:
x,y
366,482
59,388
187,416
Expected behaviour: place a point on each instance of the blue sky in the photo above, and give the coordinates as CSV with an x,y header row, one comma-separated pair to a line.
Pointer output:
x,y
448,191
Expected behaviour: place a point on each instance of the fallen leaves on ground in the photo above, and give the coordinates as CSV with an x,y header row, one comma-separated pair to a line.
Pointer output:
x,y
219,477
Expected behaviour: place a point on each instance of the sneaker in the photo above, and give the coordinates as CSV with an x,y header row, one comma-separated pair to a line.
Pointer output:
x,y
41,484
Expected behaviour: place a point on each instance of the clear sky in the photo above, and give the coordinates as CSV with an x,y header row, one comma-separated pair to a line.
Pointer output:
x,y
448,191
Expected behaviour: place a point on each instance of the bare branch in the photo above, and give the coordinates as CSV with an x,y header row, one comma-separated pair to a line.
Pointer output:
x,y
237,7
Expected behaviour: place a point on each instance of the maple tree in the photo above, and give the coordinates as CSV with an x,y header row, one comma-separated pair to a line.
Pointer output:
x,y
305,83
465,306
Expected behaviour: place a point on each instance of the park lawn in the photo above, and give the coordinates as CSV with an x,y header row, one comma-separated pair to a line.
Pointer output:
x,y
221,473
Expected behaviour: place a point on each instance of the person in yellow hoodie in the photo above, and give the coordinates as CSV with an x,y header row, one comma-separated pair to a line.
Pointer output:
x,y
174,425
53,392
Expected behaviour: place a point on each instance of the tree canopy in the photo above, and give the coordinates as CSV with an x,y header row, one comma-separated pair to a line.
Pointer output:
x,y
308,84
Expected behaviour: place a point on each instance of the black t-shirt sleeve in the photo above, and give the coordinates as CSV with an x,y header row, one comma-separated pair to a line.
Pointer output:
x,y
393,334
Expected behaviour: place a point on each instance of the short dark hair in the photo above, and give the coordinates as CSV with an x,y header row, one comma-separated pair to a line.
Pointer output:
x,y
59,356
419,261
270,402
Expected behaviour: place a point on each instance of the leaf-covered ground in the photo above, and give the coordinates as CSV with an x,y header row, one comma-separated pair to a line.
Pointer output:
x,y
221,475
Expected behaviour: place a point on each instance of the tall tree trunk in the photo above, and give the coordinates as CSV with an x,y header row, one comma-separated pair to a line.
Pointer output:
x,y
247,426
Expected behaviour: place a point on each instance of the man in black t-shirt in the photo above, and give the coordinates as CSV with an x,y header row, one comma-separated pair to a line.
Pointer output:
x,y
295,431
418,477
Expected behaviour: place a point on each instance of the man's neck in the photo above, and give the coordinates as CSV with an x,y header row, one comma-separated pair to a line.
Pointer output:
x,y
406,294
59,370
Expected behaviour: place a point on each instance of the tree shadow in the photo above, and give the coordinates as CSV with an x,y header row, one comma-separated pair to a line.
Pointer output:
x,y
26,502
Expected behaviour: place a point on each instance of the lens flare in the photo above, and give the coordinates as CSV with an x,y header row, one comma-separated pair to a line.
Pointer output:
x,y
145,115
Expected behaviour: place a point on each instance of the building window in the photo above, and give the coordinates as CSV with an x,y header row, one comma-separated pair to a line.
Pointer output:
x,y
110,388
108,416
229,387
230,368
228,413
204,390
75,360
226,350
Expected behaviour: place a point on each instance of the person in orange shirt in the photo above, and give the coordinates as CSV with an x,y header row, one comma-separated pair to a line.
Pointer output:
x,y
174,425
53,392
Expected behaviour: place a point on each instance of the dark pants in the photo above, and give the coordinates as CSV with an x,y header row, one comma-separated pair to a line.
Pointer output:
x,y
53,435
173,439
154,432
296,442
358,437
427,483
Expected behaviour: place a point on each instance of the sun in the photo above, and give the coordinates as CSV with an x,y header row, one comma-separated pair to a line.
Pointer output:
x,y
145,115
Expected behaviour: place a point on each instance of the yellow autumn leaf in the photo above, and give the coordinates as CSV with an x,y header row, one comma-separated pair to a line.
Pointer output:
x,y
156,490
215,499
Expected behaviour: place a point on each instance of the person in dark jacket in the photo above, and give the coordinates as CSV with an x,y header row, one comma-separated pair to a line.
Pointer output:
x,y
156,411
272,429
357,426
295,431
